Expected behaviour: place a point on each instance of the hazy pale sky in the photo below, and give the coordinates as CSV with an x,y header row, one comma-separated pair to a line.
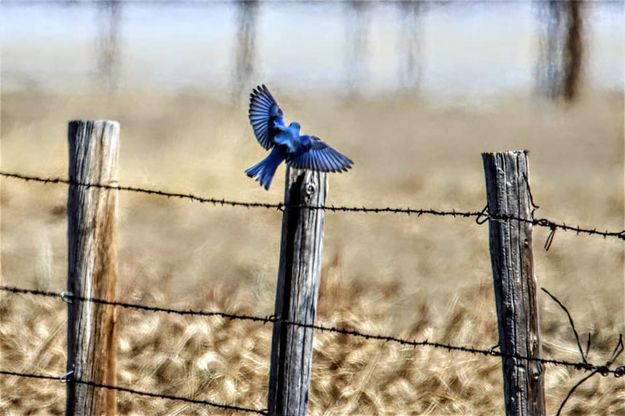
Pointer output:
x,y
457,49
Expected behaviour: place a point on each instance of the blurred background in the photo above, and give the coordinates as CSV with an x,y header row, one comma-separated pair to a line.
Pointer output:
x,y
411,91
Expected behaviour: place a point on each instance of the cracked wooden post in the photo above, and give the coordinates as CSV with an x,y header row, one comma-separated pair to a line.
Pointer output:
x,y
297,292
508,194
92,266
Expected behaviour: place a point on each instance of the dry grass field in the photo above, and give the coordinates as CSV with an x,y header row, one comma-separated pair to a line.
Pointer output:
x,y
396,275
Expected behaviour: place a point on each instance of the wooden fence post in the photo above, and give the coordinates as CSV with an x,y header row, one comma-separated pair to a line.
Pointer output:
x,y
92,266
508,194
297,292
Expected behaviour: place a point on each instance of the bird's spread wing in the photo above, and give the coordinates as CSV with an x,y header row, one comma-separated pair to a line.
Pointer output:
x,y
320,157
264,113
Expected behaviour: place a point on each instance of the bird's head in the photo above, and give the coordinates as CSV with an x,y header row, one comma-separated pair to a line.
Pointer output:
x,y
295,126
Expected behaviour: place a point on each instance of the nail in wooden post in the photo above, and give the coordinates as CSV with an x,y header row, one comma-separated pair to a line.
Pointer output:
x,y
92,265
297,292
508,194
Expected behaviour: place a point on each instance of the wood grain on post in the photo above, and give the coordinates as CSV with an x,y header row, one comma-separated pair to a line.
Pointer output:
x,y
297,292
508,194
92,265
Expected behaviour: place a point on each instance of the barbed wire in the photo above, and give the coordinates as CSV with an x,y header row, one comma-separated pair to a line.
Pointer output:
x,y
584,365
479,216
191,197
135,391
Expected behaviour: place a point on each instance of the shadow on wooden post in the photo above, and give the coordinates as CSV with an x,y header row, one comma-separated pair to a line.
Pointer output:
x,y
508,194
297,292
92,266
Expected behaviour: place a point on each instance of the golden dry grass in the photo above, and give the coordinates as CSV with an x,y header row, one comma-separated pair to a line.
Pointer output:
x,y
227,361
403,276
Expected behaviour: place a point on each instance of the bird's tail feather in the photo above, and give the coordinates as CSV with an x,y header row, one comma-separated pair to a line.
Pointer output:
x,y
266,168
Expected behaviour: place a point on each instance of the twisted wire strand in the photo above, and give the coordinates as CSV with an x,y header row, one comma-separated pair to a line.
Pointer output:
x,y
479,216
137,392
604,370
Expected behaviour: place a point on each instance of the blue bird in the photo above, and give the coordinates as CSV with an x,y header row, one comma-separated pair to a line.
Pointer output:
x,y
286,142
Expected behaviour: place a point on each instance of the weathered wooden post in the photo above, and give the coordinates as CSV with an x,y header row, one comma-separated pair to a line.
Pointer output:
x,y
297,292
508,194
92,266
